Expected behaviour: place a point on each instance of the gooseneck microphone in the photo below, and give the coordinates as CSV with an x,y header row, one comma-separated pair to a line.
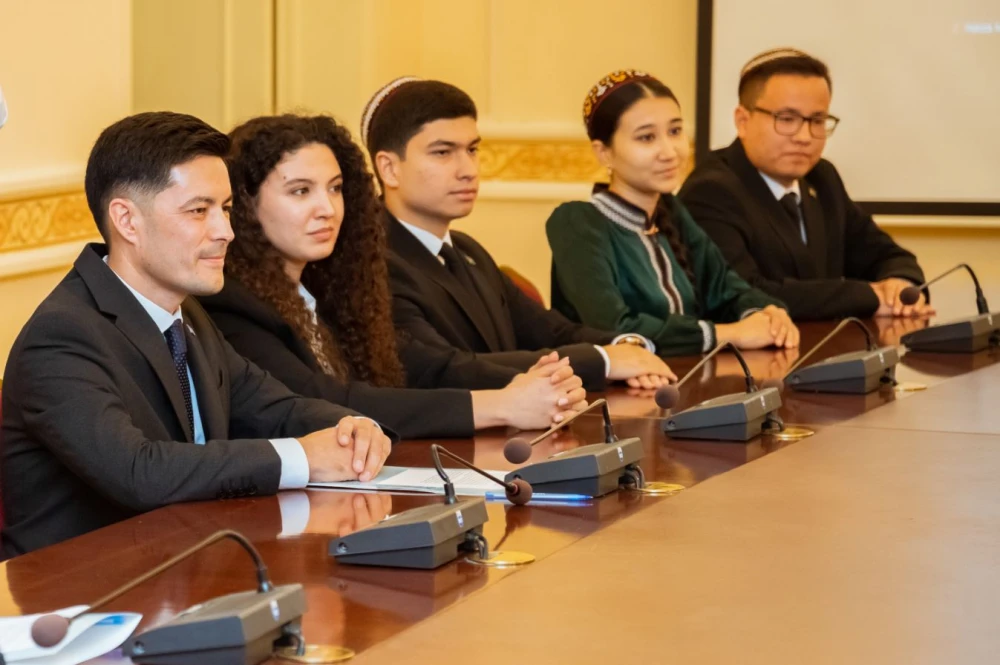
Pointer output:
x,y
667,396
869,342
50,629
518,491
857,372
911,294
518,449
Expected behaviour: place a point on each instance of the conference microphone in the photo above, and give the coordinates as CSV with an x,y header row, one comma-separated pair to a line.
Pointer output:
x,y
518,449
735,417
232,625
667,396
968,335
432,535
588,471
911,294
856,372
518,491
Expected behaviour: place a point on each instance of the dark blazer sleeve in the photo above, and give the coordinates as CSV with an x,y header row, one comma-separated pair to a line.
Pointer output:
x,y
547,329
719,211
440,367
584,266
409,317
412,413
869,253
725,296
70,402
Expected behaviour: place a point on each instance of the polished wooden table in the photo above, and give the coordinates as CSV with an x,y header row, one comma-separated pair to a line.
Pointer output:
x,y
774,559
868,546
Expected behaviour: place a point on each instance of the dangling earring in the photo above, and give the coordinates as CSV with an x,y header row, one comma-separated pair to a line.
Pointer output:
x,y
611,174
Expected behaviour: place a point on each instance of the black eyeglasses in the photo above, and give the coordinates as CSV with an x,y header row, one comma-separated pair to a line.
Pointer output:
x,y
788,123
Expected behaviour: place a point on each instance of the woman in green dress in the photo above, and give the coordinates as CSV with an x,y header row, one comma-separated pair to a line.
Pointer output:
x,y
632,259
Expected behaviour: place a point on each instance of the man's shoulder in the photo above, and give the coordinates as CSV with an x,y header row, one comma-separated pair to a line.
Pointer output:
x,y
824,173
67,316
714,173
68,305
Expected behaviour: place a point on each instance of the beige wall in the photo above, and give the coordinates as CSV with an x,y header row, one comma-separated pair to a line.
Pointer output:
x,y
65,71
218,67
527,64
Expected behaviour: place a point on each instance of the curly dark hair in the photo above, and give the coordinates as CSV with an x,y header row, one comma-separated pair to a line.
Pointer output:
x,y
355,337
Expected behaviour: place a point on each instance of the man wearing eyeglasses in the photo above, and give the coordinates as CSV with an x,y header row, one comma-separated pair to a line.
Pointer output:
x,y
780,213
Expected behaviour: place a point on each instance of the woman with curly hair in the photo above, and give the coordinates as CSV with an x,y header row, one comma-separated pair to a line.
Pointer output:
x,y
306,294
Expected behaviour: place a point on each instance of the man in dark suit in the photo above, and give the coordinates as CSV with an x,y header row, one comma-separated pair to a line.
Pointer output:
x,y
447,290
781,215
120,395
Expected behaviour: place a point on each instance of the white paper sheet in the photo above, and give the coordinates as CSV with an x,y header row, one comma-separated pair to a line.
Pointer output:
x,y
90,636
426,481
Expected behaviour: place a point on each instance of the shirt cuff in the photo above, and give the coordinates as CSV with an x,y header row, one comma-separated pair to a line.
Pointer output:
x,y
607,360
746,313
708,331
372,421
648,343
294,464
294,508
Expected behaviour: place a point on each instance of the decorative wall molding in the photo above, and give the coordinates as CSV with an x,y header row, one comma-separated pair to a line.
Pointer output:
x,y
52,218
937,223
546,160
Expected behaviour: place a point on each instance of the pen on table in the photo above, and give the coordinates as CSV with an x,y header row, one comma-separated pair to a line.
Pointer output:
x,y
541,496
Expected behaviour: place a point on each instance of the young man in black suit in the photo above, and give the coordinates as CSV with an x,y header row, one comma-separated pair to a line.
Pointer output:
x,y
120,395
780,213
447,290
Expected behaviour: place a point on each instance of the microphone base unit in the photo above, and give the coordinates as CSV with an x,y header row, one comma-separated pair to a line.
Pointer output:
x,y
969,335
858,373
593,470
238,629
426,537
735,417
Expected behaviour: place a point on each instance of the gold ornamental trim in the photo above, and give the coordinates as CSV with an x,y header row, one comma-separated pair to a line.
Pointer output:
x,y
45,219
546,160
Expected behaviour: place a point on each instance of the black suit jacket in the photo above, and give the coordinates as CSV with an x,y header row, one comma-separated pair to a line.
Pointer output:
x,y
257,331
94,424
505,326
829,277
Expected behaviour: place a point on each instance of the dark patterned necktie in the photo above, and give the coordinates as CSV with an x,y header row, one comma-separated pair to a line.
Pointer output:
x,y
178,351
457,266
790,202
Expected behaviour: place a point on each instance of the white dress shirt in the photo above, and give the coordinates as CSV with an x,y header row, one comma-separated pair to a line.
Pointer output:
x,y
294,463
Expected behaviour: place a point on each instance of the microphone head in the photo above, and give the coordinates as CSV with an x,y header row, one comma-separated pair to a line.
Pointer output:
x,y
667,396
517,450
519,492
49,630
773,383
910,295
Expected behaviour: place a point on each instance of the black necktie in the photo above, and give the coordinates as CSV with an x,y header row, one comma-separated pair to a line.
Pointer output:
x,y
456,266
178,351
790,202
